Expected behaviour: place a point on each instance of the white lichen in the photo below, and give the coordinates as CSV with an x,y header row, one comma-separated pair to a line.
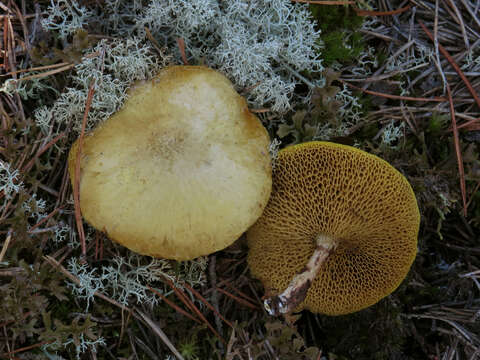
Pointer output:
x,y
10,183
262,46
113,67
85,344
66,17
392,133
126,278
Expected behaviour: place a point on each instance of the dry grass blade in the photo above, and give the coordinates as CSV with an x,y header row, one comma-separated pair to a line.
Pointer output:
x,y
47,73
458,151
16,351
470,125
454,65
44,219
361,12
240,293
238,299
390,96
465,333
44,148
173,305
184,298
5,245
156,329
181,48
37,68
76,184
325,2
202,299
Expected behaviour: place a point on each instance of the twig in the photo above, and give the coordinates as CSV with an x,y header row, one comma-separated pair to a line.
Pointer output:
x,y
458,151
44,148
37,68
157,330
44,219
192,307
435,44
173,305
181,48
202,299
325,2
25,348
76,183
471,12
238,299
47,73
213,283
454,65
153,41
460,22
361,12
390,96
5,245
240,293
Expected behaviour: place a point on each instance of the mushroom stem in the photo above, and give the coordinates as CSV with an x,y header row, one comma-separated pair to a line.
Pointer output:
x,y
297,290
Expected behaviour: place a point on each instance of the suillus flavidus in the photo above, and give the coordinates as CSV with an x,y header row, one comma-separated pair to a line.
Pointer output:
x,y
338,234
181,171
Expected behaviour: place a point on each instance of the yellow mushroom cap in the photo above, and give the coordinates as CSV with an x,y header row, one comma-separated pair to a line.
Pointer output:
x,y
354,197
181,171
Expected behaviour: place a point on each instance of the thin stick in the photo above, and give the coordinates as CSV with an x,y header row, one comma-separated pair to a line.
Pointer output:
x,y
325,2
213,283
470,11
296,292
454,65
76,183
361,12
458,152
37,68
5,245
438,63
238,299
41,151
202,299
173,305
460,22
240,293
25,348
397,97
47,73
192,307
157,330
181,47
153,41
44,219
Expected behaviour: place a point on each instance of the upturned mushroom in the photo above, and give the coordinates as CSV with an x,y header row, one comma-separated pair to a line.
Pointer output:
x,y
338,234
182,170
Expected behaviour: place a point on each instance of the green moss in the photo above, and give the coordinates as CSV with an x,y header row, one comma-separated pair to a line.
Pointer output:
x,y
338,24
341,46
330,18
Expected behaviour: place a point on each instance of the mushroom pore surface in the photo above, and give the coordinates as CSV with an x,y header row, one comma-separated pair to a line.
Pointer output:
x,y
357,199
182,170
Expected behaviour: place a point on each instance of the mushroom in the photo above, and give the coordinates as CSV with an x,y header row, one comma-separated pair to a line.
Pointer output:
x,y
338,234
181,171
